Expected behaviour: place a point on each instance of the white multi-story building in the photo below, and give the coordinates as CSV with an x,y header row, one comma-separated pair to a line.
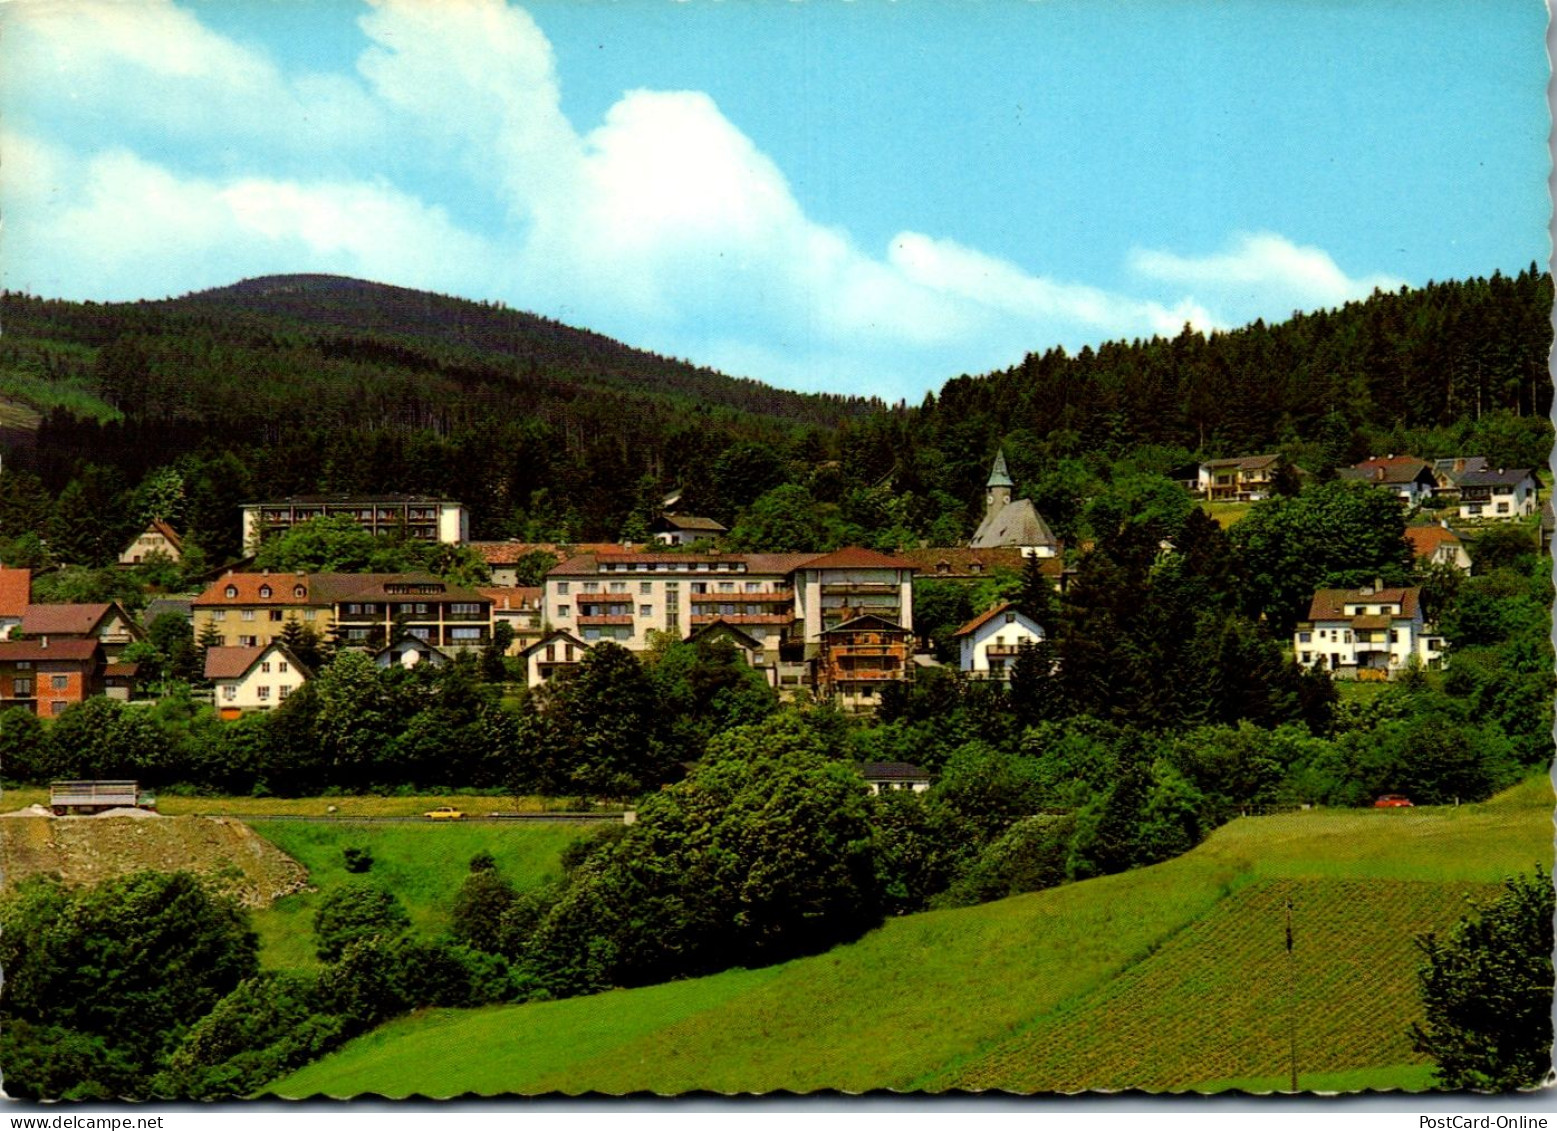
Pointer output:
x,y
1367,633
413,516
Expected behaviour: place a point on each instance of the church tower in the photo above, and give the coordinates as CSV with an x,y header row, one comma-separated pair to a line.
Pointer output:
x,y
998,491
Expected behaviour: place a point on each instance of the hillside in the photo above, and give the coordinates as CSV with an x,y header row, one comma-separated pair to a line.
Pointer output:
x,y
1034,993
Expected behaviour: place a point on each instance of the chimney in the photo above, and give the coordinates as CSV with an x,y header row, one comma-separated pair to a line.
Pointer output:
x,y
1459,463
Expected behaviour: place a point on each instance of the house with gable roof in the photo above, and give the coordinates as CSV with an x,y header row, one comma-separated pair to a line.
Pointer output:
x,y
15,595
48,675
989,644
1500,494
1436,544
157,538
1409,479
684,529
253,678
858,657
105,622
1237,479
556,652
1372,632
1011,522
247,610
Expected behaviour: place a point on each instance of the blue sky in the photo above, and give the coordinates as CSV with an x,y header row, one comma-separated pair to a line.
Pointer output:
x,y
852,195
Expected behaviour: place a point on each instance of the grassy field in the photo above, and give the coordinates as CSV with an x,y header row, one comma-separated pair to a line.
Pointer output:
x,y
1226,513
422,864
1038,992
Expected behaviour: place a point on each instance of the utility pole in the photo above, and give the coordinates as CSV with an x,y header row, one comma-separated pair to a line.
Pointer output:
x,y
1291,1001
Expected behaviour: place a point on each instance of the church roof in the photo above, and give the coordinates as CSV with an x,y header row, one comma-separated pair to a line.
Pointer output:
x,y
999,476
1018,523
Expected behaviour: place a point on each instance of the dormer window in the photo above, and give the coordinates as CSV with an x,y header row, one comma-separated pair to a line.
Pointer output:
x,y
976,567
299,591
265,592
232,591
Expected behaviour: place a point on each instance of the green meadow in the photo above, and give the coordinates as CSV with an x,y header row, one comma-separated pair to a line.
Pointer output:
x,y
422,864
1174,977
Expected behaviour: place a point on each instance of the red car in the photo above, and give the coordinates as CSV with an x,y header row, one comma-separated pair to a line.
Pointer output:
x,y
1392,801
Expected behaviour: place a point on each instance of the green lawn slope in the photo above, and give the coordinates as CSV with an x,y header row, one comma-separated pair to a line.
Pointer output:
x,y
422,864
1170,978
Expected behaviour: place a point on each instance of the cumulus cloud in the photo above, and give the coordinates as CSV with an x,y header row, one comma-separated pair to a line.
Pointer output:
x,y
1260,274
664,224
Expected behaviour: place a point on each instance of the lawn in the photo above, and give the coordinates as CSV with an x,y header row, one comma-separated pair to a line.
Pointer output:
x,y
1226,513
422,864
346,807
1017,994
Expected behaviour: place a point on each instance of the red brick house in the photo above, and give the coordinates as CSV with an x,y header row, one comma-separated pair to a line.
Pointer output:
x,y
49,675
106,623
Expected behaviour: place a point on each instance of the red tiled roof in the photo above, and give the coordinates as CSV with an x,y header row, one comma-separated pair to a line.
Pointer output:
x,y
62,620
126,671
1425,540
283,590
230,662
984,618
1329,604
1393,469
858,557
15,591
512,598
777,563
507,553
960,560
36,650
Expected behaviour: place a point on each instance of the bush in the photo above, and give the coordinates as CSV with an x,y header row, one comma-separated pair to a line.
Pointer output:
x,y
1030,856
359,858
478,910
354,913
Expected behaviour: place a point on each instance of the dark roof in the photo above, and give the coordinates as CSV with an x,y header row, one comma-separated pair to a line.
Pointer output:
x,y
122,671
1018,523
160,606
1502,477
892,771
868,621
554,634
961,560
231,662
688,522
719,626
37,650
351,500
1390,471
336,588
1244,463
1455,466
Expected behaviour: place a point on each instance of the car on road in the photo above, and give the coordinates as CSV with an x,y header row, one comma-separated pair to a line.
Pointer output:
x,y
445,813
1392,801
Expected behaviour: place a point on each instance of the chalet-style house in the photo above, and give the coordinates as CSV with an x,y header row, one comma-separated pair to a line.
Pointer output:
x,y
884,777
1500,494
1438,545
1238,479
253,679
105,622
989,644
1409,479
858,657
158,539
15,596
1011,523
684,529
1368,633
555,652
415,517
357,610
1447,473
49,675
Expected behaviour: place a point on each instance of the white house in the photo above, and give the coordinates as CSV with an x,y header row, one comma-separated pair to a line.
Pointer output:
x,y
1367,633
1438,545
253,679
888,776
1407,478
990,642
1500,494
157,538
684,529
408,651
555,652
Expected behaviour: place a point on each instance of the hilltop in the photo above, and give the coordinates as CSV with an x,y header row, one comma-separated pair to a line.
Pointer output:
x,y
1172,976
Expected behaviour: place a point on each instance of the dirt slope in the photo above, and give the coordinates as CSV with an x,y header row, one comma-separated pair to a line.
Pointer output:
x,y
85,850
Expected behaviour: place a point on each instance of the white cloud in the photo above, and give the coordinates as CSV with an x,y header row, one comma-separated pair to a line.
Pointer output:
x,y
665,225
1260,274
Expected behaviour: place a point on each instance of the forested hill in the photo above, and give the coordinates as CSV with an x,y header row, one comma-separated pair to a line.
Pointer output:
x,y
1404,363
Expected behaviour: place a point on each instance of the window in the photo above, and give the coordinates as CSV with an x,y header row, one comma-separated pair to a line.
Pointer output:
x,y
567,652
21,687
753,587
1394,636
727,587
619,587
591,634
246,614
59,682
262,692
232,591
464,634
463,608
265,592
57,707
1304,638
283,666
229,691
248,641
646,610
551,652
265,667
286,689
356,635
1010,618
308,614
562,587
1308,658
645,587
564,611
700,587
299,591
276,614
24,665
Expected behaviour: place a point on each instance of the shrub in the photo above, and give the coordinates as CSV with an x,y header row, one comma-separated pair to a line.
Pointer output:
x,y
357,912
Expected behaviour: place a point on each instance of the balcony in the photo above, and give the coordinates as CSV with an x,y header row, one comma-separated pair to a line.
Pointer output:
x,y
998,650
851,588
868,675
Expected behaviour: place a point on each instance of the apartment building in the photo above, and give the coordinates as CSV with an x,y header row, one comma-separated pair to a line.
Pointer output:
x,y
418,517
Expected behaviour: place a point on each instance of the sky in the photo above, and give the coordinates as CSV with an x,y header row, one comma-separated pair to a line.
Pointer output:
x,y
858,196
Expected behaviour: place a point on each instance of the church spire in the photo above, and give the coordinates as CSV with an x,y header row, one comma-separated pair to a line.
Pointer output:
x,y
1000,477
